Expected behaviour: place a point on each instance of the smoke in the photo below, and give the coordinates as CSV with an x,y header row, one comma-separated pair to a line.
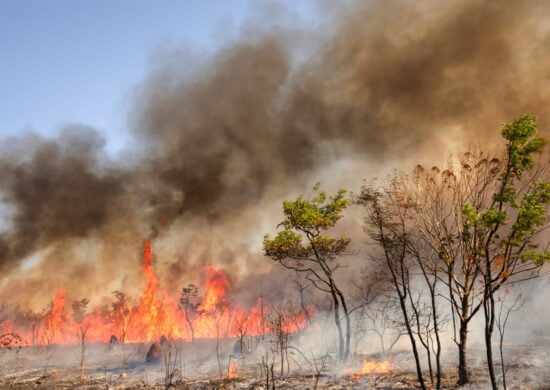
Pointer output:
x,y
377,86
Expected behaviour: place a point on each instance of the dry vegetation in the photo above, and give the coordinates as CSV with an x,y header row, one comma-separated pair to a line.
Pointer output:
x,y
195,367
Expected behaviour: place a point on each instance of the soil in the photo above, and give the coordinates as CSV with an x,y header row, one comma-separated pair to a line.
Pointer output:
x,y
187,366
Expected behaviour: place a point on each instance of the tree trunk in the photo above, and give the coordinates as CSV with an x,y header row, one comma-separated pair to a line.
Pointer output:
x,y
82,355
348,322
489,306
413,341
463,373
338,323
190,326
437,340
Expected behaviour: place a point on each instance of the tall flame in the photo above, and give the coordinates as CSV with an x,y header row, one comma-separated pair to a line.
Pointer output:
x,y
216,287
148,311
157,313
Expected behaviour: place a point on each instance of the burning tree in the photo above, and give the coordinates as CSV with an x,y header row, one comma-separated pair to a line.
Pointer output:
x,y
309,218
121,313
31,320
54,318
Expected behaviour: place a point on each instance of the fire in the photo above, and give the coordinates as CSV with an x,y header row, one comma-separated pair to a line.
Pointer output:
x,y
216,287
157,313
373,367
233,369
148,310
53,320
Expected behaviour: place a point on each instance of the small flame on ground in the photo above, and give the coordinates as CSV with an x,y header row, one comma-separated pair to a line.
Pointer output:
x,y
233,370
373,367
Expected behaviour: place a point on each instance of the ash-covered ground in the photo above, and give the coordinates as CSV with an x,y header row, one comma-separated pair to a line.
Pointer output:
x,y
185,365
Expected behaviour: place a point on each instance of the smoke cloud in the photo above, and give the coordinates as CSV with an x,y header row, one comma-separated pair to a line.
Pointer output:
x,y
219,146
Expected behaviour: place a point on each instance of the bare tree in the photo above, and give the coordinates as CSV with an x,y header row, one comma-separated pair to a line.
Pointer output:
x,y
240,328
79,316
170,355
53,319
189,306
31,320
282,322
385,321
501,322
122,311
386,225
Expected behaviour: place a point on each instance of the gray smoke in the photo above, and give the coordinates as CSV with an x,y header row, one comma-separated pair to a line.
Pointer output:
x,y
221,145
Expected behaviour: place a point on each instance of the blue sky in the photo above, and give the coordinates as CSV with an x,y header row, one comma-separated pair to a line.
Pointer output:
x,y
76,61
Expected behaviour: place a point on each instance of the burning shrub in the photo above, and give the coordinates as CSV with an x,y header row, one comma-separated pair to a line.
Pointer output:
x,y
10,341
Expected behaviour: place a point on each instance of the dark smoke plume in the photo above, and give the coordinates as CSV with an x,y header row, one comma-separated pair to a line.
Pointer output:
x,y
220,146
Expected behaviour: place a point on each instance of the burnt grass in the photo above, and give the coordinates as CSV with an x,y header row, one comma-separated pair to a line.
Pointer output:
x,y
196,367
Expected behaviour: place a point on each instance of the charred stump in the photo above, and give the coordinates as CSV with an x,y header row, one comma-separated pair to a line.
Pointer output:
x,y
113,341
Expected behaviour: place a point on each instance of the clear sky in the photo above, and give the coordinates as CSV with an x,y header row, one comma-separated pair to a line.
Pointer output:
x,y
76,61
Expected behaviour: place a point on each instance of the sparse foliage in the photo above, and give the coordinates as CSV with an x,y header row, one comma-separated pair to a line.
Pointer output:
x,y
122,310
189,306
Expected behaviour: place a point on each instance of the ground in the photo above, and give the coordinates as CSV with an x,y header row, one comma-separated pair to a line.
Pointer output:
x,y
196,367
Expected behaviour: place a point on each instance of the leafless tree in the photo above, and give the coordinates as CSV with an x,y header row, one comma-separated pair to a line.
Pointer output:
x,y
189,306
31,320
501,322
122,311
385,321
79,316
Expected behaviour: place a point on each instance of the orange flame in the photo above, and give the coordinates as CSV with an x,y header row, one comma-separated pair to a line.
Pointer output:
x,y
147,312
157,313
216,287
233,370
372,367
53,320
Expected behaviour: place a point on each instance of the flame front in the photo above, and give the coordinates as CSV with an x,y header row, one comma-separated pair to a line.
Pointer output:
x,y
157,313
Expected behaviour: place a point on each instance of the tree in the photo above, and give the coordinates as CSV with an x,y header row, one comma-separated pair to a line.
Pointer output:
x,y
307,219
509,224
385,323
472,226
79,316
122,311
54,318
387,213
189,307
31,320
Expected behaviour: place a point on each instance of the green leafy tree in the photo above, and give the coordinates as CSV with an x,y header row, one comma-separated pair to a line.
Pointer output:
x,y
475,223
302,245
509,226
